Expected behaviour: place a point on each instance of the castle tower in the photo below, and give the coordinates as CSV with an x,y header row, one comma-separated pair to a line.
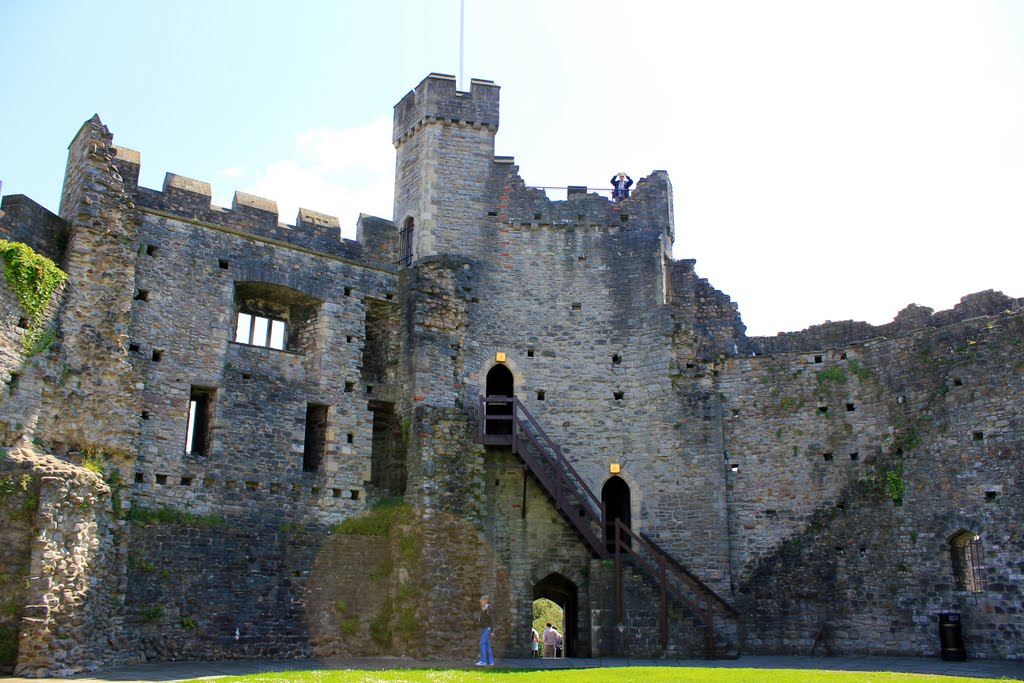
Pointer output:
x,y
445,143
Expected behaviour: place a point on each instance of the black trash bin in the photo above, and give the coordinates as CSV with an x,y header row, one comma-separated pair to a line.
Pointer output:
x,y
951,637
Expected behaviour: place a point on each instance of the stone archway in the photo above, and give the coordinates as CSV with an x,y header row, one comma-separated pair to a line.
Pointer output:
x,y
500,382
616,498
563,592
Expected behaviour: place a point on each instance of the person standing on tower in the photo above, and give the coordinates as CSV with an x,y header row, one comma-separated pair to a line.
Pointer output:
x,y
621,184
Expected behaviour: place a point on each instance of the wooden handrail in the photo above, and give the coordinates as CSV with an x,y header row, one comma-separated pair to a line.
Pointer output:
x,y
567,488
566,482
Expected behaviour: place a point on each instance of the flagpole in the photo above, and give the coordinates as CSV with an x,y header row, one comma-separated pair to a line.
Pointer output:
x,y
462,31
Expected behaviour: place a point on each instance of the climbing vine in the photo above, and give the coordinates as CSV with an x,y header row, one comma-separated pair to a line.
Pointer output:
x,y
34,278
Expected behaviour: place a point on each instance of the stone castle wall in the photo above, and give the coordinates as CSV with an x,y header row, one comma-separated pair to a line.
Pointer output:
x,y
764,465
825,553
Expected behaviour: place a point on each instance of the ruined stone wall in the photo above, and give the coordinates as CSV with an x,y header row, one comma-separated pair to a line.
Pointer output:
x,y
95,402
260,394
68,611
23,220
842,518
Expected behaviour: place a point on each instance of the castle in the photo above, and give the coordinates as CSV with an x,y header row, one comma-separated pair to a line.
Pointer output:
x,y
195,417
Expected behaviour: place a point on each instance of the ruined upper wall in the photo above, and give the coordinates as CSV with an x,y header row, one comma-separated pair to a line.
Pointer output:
x,y
23,220
833,335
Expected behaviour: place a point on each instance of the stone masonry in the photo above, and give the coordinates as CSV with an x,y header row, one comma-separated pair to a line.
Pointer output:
x,y
224,392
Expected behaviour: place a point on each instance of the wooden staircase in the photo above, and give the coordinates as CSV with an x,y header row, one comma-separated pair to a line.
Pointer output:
x,y
505,421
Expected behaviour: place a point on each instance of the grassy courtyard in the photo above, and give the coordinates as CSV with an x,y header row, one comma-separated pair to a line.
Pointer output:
x,y
645,674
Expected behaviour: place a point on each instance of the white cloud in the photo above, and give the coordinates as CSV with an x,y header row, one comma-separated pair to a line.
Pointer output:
x,y
340,172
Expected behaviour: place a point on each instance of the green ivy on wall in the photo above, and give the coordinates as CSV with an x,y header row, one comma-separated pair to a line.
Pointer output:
x,y
34,278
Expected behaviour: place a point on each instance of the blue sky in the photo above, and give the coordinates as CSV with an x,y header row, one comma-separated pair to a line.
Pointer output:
x,y
830,160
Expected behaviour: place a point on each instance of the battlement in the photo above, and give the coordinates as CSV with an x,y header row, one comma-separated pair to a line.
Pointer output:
x,y
649,207
437,99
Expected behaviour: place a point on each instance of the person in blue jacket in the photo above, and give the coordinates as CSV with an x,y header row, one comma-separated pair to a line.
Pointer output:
x,y
621,184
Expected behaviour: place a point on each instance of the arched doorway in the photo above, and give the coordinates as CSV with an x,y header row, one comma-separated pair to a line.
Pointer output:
x,y
615,496
561,591
500,383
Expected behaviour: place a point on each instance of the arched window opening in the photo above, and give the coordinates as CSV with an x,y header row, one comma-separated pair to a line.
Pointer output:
x,y
965,553
615,496
500,383
405,243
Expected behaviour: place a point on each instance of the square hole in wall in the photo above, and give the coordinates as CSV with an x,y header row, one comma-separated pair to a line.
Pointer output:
x,y
350,338
624,217
315,491
350,387
348,291
186,481
252,485
850,407
991,495
819,359
142,295
822,410
335,493
209,482
223,263
978,436
827,457
140,478
354,494
151,250
734,468
537,216
146,414
246,375
275,487
855,456
957,382
157,356
350,437
230,485
529,353
492,213
576,306
616,359
133,348
540,394
389,296
161,478
23,323
619,395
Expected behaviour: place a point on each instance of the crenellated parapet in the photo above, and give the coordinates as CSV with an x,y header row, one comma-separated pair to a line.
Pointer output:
x,y
436,99
648,209
191,200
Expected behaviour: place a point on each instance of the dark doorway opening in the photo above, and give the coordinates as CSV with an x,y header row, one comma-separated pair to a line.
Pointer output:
x,y
387,451
500,383
615,496
561,591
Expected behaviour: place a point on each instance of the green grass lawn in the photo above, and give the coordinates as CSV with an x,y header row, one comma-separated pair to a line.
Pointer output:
x,y
636,674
